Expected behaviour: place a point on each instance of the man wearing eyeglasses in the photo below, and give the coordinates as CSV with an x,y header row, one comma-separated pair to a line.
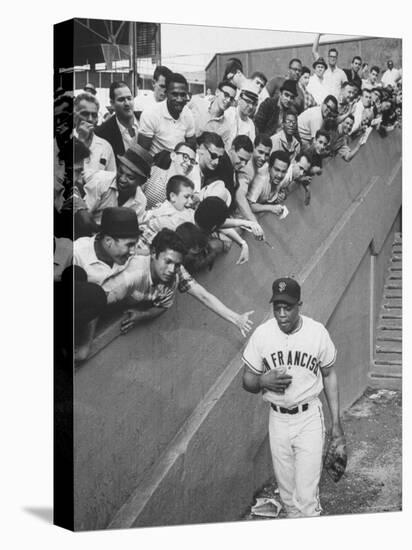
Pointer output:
x,y
211,116
239,117
180,162
311,120
334,77
86,109
269,118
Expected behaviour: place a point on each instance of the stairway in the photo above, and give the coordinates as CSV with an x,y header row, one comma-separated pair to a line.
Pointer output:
x,y
386,371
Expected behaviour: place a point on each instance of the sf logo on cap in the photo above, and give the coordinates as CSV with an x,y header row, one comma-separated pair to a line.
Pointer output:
x,y
282,286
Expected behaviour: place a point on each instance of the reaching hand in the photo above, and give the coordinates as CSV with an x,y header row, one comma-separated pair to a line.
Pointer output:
x,y
244,254
277,209
129,321
255,228
243,323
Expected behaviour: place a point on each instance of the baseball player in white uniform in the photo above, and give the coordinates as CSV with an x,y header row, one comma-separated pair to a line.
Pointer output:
x,y
290,360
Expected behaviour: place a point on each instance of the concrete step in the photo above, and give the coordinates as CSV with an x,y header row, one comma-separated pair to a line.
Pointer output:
x,y
392,302
385,382
390,324
388,336
389,347
396,258
393,293
391,285
386,370
394,276
388,362
391,314
395,268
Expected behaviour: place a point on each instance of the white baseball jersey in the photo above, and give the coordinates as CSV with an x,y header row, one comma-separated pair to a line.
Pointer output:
x,y
301,354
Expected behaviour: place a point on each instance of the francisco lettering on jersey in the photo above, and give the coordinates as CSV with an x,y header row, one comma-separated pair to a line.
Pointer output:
x,y
295,359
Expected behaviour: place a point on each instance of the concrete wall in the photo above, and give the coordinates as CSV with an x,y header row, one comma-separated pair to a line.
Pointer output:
x,y
164,433
274,61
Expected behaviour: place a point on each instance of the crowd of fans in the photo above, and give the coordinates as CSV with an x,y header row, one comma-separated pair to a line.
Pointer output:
x,y
148,193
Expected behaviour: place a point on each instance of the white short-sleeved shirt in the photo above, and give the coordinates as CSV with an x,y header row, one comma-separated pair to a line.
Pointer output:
x,y
166,132
302,353
333,80
309,122
317,88
101,192
239,126
101,156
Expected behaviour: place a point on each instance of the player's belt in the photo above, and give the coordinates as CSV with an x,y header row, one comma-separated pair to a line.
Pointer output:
x,y
299,408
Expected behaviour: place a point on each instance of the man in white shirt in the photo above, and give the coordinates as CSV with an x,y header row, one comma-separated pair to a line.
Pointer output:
x,y
142,102
311,120
86,110
239,117
121,188
316,85
121,129
391,76
168,122
334,77
364,103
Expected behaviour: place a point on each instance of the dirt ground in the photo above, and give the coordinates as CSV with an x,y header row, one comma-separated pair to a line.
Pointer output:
x,y
373,479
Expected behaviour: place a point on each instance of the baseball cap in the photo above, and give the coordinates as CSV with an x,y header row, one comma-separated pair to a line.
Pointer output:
x,y
250,90
285,290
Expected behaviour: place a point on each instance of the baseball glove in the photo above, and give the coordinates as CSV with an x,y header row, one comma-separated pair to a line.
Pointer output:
x,y
336,458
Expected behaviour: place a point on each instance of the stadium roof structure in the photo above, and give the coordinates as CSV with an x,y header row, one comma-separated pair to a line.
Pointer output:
x,y
104,41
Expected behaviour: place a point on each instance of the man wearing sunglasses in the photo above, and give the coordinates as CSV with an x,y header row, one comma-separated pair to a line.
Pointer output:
x,y
311,120
211,116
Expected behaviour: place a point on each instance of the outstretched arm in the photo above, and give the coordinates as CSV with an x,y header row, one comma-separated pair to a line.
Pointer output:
x,y
315,47
214,304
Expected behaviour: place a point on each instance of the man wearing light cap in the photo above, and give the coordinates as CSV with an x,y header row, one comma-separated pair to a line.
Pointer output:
x,y
269,117
290,359
239,117
120,188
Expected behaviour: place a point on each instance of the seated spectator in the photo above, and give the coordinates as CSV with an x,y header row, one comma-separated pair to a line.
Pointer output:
x,y
265,195
285,140
308,99
167,123
142,102
298,174
347,100
256,168
311,120
121,129
176,210
200,255
372,82
317,85
211,116
150,283
364,103
354,73
180,162
239,118
294,73
121,188
317,151
86,109
391,76
234,72
341,145
260,80
268,119
62,131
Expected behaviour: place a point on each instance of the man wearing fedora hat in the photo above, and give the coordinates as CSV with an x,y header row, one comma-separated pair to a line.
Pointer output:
x,y
108,252
290,360
120,188
316,85
269,118
273,86
334,77
90,88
